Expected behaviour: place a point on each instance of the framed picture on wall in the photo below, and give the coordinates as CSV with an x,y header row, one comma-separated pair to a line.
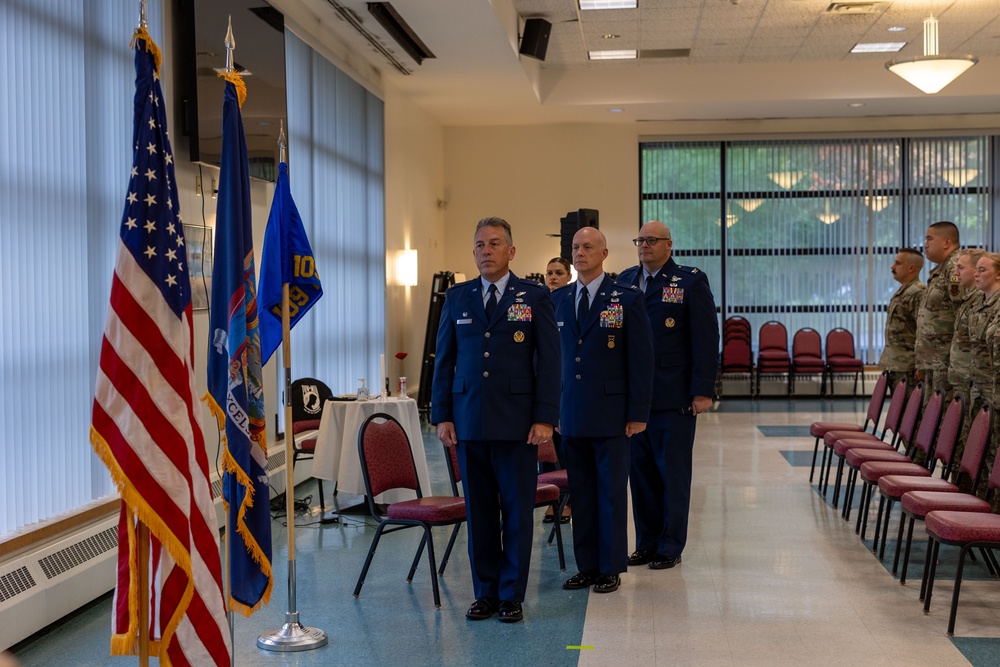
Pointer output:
x,y
198,241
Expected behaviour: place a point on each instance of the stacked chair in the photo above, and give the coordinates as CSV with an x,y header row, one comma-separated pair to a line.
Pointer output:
x,y
807,358
737,353
841,359
772,355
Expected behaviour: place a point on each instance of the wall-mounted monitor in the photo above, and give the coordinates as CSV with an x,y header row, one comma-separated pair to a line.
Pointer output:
x,y
258,30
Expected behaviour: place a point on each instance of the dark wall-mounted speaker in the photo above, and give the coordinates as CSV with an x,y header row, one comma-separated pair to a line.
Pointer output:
x,y
535,39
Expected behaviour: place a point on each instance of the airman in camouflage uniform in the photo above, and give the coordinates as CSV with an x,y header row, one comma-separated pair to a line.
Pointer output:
x,y
901,318
984,320
936,316
960,358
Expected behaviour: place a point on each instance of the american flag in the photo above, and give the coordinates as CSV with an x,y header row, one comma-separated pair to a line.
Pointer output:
x,y
145,425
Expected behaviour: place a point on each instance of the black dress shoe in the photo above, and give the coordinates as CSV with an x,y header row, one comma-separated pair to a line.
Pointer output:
x,y
607,583
660,562
564,519
580,580
548,518
510,612
641,557
482,609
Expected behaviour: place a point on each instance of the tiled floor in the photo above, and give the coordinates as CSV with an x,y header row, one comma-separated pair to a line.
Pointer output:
x,y
771,576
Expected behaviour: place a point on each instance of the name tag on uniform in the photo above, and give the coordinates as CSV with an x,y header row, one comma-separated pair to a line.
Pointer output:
x,y
468,321
519,312
613,317
559,324
673,295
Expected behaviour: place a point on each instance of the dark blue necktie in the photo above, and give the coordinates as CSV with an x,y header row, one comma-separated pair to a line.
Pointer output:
x,y
491,301
584,307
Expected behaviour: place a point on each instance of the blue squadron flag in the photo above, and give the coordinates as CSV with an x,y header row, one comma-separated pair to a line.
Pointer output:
x,y
235,393
287,258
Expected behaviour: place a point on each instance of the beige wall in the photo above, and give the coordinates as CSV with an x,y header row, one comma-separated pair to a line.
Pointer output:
x,y
532,176
414,185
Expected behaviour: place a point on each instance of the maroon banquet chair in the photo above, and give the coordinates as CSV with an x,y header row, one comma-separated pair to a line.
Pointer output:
x,y
918,503
854,452
547,494
308,397
737,354
772,353
807,358
841,358
387,464
875,403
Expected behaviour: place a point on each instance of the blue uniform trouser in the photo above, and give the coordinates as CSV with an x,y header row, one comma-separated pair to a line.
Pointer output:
x,y
660,478
499,479
597,469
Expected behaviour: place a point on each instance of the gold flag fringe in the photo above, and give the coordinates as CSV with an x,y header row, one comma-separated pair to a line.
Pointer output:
x,y
241,86
253,547
143,34
136,506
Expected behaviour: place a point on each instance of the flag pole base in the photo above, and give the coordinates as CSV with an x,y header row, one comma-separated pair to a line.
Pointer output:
x,y
292,636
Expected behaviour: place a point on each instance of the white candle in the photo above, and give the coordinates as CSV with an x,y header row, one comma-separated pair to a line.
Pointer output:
x,y
381,377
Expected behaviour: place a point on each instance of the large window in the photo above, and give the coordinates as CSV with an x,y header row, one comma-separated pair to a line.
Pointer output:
x,y
805,231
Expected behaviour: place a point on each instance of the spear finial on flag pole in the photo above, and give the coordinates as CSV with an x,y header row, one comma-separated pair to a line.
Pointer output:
x,y
230,46
142,14
282,143
287,263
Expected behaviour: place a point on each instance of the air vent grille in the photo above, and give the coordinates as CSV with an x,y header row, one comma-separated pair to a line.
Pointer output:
x,y
647,54
15,582
841,8
66,559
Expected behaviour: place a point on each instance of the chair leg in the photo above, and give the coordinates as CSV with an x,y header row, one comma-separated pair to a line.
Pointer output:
x,y
866,501
849,486
836,481
368,560
557,508
812,470
447,552
416,558
878,521
899,543
885,527
563,501
322,503
430,557
906,553
932,552
958,589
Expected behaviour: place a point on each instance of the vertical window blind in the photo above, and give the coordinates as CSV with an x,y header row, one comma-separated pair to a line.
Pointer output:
x,y
65,131
804,232
336,170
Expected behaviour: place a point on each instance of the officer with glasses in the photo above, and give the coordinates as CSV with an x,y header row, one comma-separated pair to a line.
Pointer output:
x,y
685,328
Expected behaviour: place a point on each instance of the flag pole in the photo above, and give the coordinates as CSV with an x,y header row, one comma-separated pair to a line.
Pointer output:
x,y
292,636
142,567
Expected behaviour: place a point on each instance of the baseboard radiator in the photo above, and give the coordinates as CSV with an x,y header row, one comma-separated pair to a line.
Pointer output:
x,y
39,587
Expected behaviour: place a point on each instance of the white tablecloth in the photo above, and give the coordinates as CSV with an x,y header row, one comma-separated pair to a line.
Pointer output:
x,y
336,455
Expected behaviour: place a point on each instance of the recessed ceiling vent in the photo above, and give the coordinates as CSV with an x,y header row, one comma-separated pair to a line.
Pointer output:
x,y
842,8
649,54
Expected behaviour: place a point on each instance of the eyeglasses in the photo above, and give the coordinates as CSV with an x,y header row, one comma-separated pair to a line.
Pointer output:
x,y
650,240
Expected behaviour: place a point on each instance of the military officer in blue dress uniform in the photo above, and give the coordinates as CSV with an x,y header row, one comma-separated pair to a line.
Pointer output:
x,y
495,395
607,359
686,343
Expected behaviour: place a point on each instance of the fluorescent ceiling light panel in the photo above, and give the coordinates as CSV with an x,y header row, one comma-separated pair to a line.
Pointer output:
x,y
619,54
608,4
878,47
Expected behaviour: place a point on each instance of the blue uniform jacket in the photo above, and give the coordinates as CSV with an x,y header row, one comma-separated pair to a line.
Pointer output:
x,y
495,379
607,363
685,325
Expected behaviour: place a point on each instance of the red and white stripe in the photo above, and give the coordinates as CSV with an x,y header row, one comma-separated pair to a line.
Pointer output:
x,y
147,432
